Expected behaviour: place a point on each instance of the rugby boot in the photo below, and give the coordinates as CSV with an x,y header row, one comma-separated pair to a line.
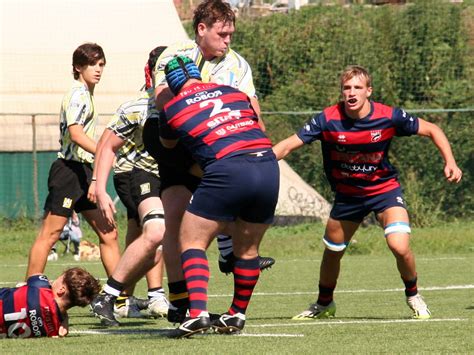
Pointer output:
x,y
103,308
226,265
419,307
190,326
228,324
316,311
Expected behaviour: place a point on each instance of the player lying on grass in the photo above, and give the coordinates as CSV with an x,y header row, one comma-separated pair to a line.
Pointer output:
x,y
355,135
39,308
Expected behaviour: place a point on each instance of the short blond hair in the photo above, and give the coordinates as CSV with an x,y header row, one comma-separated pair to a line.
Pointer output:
x,y
355,71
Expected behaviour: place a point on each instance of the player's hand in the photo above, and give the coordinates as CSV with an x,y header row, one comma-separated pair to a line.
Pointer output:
x,y
106,207
63,331
91,192
452,172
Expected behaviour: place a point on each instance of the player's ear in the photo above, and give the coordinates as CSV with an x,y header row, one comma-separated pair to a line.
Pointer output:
x,y
369,91
201,28
61,291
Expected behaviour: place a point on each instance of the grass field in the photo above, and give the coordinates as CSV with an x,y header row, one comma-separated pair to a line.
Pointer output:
x,y
372,316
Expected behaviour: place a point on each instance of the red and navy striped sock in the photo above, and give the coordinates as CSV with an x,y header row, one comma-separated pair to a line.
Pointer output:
x,y
196,274
246,273
411,288
326,294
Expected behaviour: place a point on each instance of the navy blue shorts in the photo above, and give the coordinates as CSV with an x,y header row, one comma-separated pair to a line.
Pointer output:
x,y
243,186
356,208
133,187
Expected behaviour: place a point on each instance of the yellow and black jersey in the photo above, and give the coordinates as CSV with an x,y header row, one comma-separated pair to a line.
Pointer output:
x,y
230,69
127,123
77,107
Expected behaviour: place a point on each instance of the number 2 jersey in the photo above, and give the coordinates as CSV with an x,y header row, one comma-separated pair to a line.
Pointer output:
x,y
214,122
29,311
355,151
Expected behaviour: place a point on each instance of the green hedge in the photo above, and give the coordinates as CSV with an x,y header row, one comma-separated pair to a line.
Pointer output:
x,y
419,56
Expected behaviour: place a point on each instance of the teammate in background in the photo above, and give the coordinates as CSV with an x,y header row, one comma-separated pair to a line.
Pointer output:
x,y
214,25
219,126
355,135
39,308
71,174
137,183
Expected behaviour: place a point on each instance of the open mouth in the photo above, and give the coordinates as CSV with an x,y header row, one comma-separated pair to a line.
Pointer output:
x,y
352,101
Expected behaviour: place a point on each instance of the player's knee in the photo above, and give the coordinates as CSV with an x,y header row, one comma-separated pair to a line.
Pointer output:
x,y
336,247
397,227
153,223
154,215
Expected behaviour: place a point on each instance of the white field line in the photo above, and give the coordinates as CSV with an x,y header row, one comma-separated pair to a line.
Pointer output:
x,y
417,259
163,332
85,263
362,321
434,288
72,263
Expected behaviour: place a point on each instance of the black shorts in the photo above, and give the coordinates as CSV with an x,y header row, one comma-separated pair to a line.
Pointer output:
x,y
68,184
177,158
135,186
171,177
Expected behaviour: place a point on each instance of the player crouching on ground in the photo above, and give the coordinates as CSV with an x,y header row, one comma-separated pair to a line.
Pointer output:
x,y
219,126
39,308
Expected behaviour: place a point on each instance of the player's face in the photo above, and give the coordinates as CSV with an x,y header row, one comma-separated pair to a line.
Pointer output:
x,y
355,94
214,41
91,74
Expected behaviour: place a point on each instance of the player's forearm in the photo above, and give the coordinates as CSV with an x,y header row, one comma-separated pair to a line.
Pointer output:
x,y
442,143
439,139
286,146
102,168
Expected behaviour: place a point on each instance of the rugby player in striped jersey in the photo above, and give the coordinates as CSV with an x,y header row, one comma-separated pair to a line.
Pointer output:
x,y
214,25
39,308
355,135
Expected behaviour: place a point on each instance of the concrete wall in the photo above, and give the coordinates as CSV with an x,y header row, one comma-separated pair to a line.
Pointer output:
x,y
38,37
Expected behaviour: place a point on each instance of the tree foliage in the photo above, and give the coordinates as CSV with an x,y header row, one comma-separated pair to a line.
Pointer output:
x,y
420,58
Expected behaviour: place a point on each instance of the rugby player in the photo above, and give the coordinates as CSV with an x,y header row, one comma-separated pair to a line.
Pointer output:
x,y
214,25
240,183
137,183
39,308
71,174
355,135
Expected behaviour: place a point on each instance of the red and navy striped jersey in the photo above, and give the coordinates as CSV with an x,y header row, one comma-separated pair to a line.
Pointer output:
x,y
214,122
355,152
29,311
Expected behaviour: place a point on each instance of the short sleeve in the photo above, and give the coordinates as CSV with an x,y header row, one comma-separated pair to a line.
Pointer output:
x,y
312,130
38,281
76,109
405,124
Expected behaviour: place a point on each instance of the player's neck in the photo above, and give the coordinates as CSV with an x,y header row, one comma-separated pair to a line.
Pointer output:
x,y
61,305
90,86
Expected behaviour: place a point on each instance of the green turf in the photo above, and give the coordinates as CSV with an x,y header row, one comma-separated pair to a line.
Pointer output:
x,y
372,316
